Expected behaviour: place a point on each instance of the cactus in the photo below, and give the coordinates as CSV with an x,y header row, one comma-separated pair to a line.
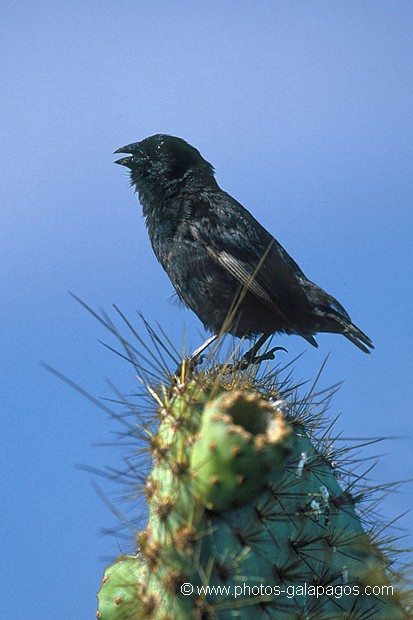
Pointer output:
x,y
251,515
120,597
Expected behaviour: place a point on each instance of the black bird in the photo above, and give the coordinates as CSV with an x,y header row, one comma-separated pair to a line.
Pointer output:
x,y
223,264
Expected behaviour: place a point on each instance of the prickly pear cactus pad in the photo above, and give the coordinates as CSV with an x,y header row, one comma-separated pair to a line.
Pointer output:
x,y
119,589
252,512
240,447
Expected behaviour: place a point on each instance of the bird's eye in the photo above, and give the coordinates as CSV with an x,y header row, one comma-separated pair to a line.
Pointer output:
x,y
159,147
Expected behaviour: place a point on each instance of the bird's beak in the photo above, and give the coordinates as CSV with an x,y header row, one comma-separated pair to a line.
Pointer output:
x,y
133,149
124,161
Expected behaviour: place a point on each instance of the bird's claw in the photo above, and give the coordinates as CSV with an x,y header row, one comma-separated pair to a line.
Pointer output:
x,y
248,359
190,364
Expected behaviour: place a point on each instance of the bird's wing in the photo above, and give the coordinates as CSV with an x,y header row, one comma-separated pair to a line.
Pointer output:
x,y
238,243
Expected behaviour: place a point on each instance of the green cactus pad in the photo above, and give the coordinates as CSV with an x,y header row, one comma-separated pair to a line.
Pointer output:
x,y
119,594
241,446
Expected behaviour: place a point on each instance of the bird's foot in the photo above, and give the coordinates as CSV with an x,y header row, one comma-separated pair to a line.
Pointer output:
x,y
251,358
188,365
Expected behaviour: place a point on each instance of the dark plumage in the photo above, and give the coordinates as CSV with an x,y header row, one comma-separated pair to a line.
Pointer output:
x,y
215,252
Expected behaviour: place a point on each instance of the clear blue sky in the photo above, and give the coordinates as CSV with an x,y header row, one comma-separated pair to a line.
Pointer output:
x,y
305,110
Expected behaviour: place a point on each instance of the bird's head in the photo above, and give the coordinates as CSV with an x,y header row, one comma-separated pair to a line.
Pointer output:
x,y
161,161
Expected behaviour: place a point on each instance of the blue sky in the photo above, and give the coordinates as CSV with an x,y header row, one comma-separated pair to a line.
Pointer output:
x,y
305,110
